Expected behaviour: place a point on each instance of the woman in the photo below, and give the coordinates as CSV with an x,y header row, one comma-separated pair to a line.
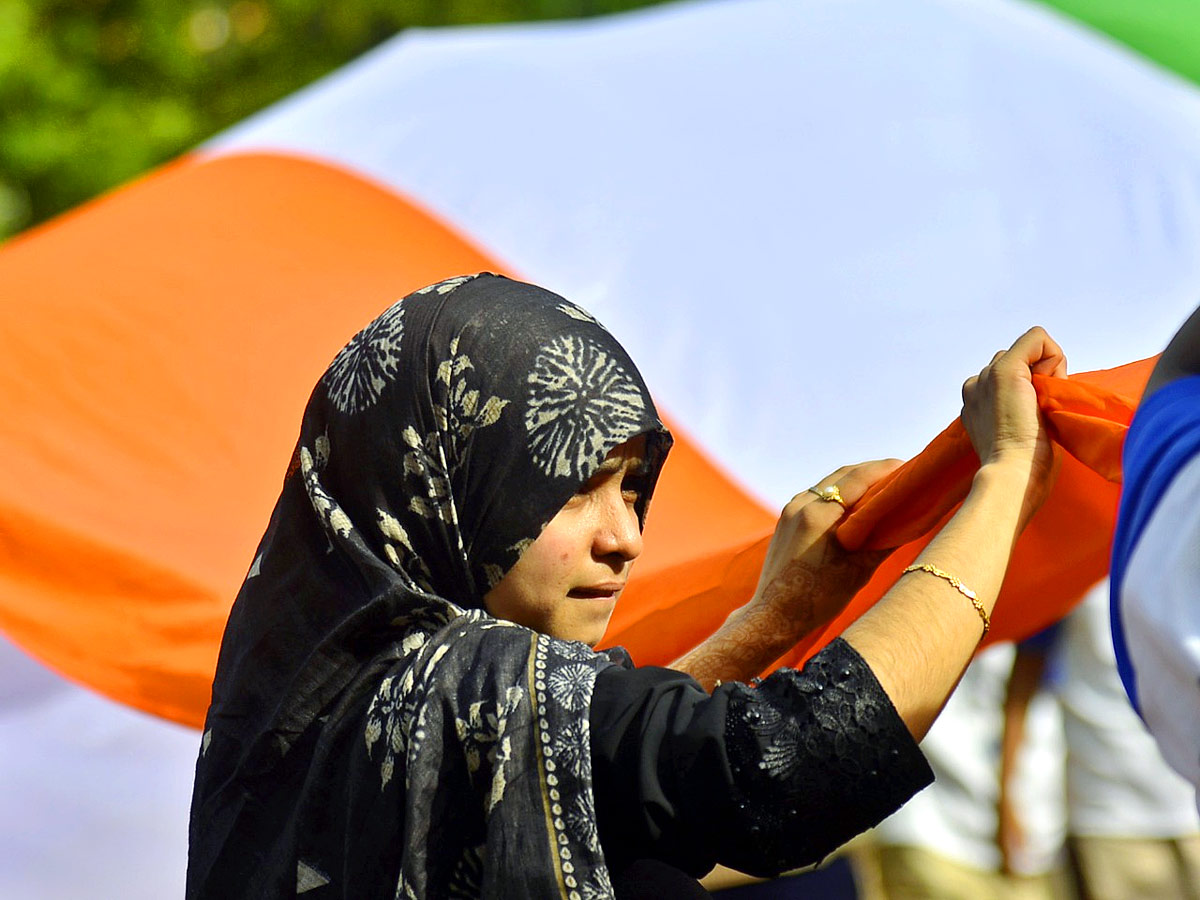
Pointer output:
x,y
407,703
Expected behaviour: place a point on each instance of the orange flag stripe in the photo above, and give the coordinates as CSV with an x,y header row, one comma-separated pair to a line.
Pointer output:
x,y
158,350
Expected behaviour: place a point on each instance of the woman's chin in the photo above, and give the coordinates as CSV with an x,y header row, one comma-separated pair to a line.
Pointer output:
x,y
590,622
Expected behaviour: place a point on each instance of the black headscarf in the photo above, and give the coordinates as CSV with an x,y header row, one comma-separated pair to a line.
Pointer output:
x,y
373,731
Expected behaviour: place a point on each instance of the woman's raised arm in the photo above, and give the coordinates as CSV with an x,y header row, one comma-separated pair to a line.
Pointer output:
x,y
807,579
920,636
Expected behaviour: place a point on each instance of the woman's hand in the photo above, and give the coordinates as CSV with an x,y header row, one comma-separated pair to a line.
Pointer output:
x,y
808,577
921,634
1001,415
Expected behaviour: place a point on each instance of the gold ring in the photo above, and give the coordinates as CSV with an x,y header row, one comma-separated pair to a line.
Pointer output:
x,y
830,493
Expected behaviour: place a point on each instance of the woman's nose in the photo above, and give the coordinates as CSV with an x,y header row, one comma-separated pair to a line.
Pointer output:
x,y
618,533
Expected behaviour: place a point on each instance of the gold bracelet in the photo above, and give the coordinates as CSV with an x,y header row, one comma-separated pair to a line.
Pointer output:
x,y
958,586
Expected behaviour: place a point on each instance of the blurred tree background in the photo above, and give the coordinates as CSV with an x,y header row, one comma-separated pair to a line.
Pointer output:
x,y
94,92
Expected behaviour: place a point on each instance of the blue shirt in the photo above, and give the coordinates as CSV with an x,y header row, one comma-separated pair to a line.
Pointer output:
x,y
1164,436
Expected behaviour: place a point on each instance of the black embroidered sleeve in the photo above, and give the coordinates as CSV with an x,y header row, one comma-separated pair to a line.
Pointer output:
x,y
760,779
817,756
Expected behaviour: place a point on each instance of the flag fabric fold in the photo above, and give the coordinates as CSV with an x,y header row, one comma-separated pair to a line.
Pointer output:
x,y
1063,552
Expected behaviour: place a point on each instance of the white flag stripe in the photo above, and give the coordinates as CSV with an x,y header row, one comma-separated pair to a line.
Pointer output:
x,y
797,213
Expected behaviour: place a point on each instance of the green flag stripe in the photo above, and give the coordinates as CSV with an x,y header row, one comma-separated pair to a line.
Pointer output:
x,y
1167,31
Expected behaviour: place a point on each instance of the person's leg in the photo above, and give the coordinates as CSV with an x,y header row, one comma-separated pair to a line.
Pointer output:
x,y
1049,886
913,873
1116,868
1188,848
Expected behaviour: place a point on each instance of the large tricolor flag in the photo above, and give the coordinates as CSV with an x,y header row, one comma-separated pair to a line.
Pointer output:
x,y
808,223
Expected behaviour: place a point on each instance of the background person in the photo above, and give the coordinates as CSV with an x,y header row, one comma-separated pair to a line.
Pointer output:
x,y
1132,824
1155,576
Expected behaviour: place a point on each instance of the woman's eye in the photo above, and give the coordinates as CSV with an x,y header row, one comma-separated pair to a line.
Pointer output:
x,y
578,497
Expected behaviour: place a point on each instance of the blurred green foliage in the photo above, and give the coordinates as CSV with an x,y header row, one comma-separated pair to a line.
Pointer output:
x,y
94,92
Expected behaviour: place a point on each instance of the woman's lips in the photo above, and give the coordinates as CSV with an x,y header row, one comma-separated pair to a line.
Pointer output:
x,y
607,591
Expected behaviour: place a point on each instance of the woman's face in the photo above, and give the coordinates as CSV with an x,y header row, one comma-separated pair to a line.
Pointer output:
x,y
566,584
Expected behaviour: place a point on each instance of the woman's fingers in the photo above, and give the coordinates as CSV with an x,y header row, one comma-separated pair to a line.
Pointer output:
x,y
833,477
1034,351
969,387
851,481
859,479
1040,352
